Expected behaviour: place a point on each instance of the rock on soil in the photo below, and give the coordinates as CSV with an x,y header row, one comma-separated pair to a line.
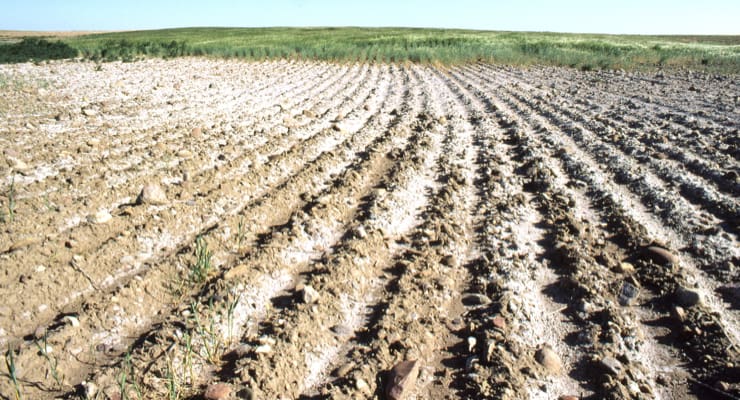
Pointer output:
x,y
217,391
152,194
547,357
402,380
687,297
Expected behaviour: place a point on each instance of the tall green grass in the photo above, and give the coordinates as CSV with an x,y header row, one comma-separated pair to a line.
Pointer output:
x,y
709,53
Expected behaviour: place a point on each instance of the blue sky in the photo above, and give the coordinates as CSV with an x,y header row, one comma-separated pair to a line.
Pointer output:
x,y
615,16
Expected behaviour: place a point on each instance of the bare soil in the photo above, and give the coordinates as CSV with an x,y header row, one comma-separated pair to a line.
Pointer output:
x,y
509,233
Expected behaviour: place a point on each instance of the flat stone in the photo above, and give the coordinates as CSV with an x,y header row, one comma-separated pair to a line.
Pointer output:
x,y
218,391
475,299
450,261
611,365
679,314
342,371
309,113
342,330
402,380
549,359
17,164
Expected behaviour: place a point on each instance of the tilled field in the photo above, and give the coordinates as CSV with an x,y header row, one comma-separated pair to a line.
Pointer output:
x,y
316,230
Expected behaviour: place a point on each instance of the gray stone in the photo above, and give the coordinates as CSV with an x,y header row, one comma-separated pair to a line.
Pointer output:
x,y
628,294
611,365
309,295
686,297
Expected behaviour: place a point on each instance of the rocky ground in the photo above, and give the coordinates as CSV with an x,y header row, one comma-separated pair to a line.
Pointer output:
x,y
216,229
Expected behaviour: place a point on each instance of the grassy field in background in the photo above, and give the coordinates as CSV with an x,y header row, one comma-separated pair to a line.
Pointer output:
x,y
585,51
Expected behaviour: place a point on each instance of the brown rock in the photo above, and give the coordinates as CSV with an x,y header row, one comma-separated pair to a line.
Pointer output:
x,y
402,380
499,322
547,357
197,132
568,397
217,391
660,256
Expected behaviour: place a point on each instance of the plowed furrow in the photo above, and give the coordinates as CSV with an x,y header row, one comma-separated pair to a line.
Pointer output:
x,y
681,216
504,232
117,186
306,367
121,140
267,253
511,272
660,97
584,292
402,326
103,244
684,129
114,318
678,157
635,143
667,281
697,191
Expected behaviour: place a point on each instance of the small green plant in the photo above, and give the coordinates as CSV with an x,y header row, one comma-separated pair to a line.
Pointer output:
x,y
230,318
127,370
208,335
173,387
188,340
202,267
240,234
9,215
12,373
43,347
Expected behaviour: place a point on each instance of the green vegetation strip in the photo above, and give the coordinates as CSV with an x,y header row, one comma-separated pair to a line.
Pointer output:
x,y
706,53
